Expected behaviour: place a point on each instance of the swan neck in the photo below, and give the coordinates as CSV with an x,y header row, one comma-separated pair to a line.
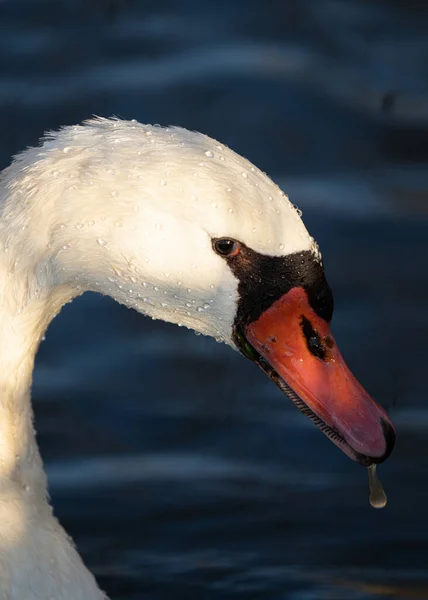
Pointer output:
x,y
32,543
21,329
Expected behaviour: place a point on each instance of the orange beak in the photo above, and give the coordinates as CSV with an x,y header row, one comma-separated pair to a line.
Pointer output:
x,y
298,351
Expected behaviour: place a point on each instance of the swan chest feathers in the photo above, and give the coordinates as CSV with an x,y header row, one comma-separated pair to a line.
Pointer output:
x,y
181,228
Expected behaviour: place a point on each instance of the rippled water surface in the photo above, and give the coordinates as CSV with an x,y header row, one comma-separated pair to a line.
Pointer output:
x,y
178,468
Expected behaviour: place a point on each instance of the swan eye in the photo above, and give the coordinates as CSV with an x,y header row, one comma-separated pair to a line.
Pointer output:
x,y
226,247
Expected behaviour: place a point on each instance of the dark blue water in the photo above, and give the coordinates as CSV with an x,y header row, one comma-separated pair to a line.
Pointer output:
x,y
178,468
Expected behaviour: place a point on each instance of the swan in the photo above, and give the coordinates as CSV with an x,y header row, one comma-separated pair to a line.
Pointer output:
x,y
179,227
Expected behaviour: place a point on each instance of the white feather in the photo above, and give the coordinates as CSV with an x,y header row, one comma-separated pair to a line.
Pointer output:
x,y
127,210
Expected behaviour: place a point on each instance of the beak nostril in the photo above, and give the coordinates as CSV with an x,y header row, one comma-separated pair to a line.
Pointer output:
x,y
313,340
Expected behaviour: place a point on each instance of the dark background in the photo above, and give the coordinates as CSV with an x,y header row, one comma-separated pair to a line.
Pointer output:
x,y
179,469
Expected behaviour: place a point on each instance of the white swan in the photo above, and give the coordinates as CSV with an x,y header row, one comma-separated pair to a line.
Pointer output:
x,y
180,228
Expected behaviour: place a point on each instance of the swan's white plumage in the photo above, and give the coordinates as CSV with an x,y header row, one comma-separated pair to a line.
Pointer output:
x,y
116,203
128,210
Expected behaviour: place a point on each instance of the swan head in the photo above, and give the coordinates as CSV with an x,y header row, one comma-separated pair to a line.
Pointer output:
x,y
181,228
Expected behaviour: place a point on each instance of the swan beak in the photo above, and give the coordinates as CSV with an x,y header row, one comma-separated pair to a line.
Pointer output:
x,y
299,353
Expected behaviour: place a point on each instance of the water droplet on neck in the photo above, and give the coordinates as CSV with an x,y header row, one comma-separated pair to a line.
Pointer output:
x,y
244,175
114,193
209,154
377,496
281,246
162,182
214,204
101,242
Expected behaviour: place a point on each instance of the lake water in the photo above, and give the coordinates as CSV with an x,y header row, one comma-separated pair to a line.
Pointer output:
x,y
178,468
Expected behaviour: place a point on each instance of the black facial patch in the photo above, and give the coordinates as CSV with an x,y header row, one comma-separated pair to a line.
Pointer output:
x,y
264,279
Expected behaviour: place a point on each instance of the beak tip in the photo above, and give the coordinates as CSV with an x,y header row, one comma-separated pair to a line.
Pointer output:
x,y
389,435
